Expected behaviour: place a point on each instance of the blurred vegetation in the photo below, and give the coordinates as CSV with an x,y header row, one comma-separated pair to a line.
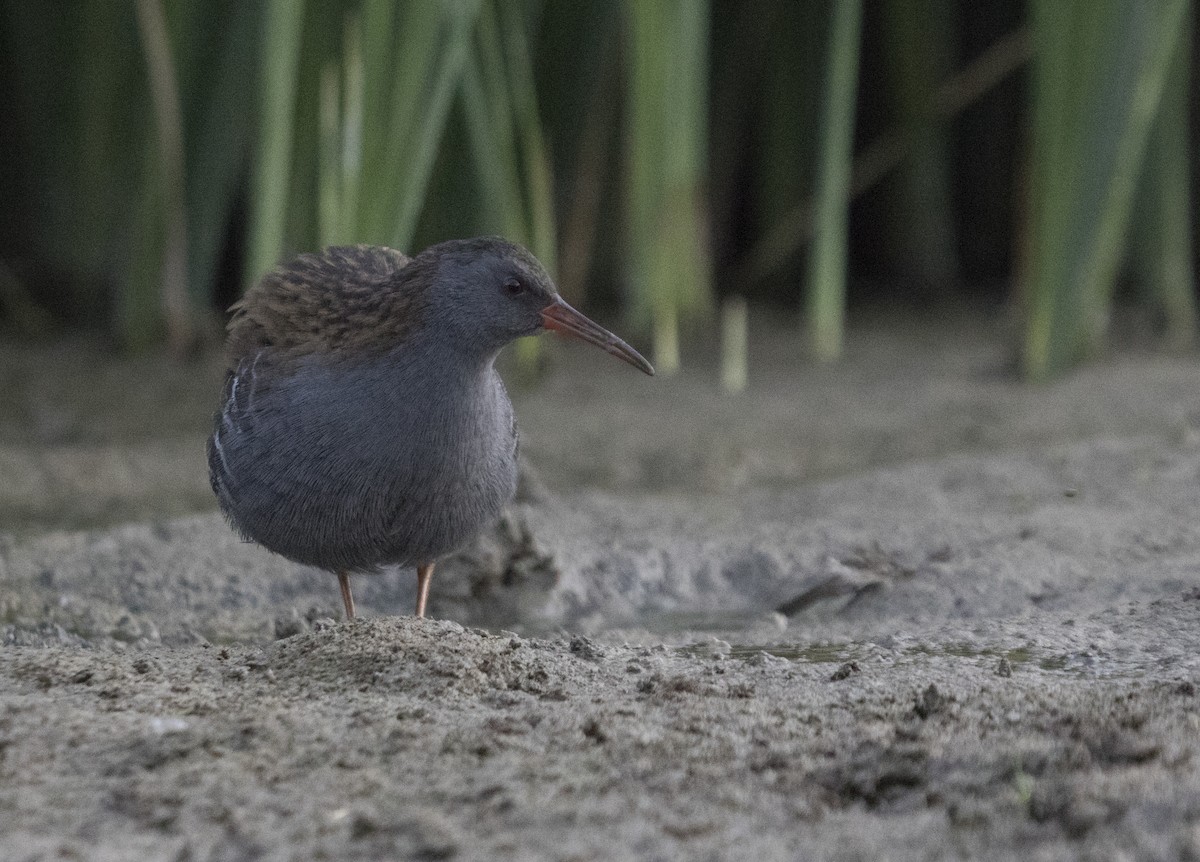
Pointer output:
x,y
663,158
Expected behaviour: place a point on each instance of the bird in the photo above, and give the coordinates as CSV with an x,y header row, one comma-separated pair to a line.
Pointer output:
x,y
363,424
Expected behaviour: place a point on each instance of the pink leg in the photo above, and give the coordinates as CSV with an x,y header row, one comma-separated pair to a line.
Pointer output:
x,y
347,598
423,575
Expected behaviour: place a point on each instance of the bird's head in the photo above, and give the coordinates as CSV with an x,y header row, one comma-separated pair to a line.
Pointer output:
x,y
488,292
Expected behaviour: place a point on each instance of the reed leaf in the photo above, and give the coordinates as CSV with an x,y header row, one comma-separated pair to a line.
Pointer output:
x,y
826,288
507,146
735,344
175,305
329,158
350,153
922,231
282,30
398,123
396,75
217,120
666,162
1098,84
494,162
1162,240
432,123
795,42
489,120
380,20
1162,24
541,234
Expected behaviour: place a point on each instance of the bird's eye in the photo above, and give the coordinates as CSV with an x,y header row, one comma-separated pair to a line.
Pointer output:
x,y
514,286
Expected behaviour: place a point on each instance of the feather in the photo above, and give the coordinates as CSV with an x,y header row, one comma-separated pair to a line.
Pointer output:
x,y
349,299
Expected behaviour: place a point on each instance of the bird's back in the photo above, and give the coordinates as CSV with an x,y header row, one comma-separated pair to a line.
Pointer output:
x,y
343,300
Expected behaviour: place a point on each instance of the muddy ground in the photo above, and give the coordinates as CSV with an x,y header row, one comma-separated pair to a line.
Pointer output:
x,y
900,608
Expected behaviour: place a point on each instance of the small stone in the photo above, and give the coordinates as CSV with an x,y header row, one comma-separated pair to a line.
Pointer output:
x,y
585,647
929,702
286,627
160,725
593,731
714,648
846,670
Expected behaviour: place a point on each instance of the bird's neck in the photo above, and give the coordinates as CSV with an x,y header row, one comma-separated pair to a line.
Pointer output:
x,y
427,360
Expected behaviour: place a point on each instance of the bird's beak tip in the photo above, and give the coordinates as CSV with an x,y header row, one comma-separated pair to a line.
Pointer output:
x,y
561,317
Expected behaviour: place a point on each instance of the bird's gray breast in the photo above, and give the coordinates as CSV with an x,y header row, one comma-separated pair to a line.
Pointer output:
x,y
353,468
464,473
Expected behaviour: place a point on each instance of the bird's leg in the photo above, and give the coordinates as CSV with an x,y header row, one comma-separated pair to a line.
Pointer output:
x,y
347,598
423,575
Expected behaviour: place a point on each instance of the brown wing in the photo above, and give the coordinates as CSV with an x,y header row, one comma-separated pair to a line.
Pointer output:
x,y
345,298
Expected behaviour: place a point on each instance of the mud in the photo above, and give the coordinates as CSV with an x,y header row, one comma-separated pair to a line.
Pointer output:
x,y
899,608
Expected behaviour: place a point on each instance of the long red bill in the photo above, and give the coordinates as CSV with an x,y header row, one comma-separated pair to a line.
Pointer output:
x,y
560,317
